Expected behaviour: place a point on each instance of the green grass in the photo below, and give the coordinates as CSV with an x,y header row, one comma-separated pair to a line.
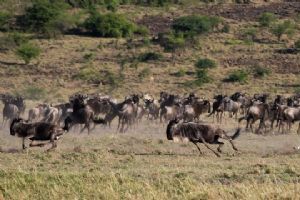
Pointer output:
x,y
142,164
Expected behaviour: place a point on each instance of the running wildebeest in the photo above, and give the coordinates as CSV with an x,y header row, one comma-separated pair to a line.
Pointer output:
x,y
199,133
38,131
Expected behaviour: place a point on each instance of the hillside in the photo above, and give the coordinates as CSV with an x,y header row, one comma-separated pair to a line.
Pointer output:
x,y
65,61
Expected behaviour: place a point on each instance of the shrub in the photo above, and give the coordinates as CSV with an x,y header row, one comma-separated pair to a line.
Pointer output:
x,y
40,14
88,74
205,63
28,51
266,19
83,3
4,20
195,24
141,30
297,44
249,34
260,72
158,3
180,73
34,93
12,40
111,5
226,28
286,27
202,77
237,76
144,73
108,25
145,57
172,41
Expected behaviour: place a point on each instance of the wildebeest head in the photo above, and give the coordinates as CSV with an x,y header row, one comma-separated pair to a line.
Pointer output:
x,y
14,122
170,126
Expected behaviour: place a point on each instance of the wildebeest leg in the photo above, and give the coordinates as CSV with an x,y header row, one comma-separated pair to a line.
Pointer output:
x,y
207,146
221,144
298,131
23,143
36,145
195,143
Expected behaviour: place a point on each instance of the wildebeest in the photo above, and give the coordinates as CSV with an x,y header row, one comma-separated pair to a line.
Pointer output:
x,y
38,131
258,111
199,133
10,111
126,113
82,114
291,115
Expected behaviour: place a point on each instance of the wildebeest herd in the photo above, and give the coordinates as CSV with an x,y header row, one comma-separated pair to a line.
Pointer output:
x,y
46,122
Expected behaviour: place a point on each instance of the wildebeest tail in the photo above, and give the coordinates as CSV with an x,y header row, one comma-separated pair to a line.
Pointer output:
x,y
99,121
236,134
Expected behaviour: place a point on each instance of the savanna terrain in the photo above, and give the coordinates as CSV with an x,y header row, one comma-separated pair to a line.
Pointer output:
x,y
142,163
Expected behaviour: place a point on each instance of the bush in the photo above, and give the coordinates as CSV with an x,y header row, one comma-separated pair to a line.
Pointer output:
x,y
266,19
141,30
144,73
226,28
88,74
40,14
205,63
34,93
287,27
249,34
260,72
195,24
108,25
12,40
297,44
145,57
180,73
237,76
111,5
4,20
202,77
28,51
172,41
158,3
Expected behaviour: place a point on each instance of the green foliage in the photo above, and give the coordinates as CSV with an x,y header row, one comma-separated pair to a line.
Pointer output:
x,y
237,76
40,14
4,20
141,30
108,25
260,72
88,56
249,34
180,73
205,63
158,3
266,19
28,51
12,40
286,27
145,57
88,74
226,28
84,3
34,93
297,44
195,24
202,77
144,73
172,41
111,5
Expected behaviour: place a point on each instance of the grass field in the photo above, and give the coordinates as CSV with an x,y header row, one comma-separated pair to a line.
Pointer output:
x,y
143,164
